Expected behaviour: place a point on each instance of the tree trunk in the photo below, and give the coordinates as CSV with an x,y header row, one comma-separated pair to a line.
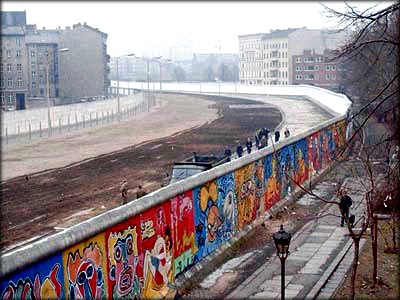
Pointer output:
x,y
355,265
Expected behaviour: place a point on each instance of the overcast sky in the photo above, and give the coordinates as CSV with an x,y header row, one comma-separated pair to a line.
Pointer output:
x,y
133,27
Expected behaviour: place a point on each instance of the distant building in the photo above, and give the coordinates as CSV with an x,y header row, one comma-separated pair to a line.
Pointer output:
x,y
209,66
266,58
316,69
84,70
13,68
28,54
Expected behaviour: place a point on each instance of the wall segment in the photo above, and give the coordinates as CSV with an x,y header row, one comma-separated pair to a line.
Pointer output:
x,y
140,248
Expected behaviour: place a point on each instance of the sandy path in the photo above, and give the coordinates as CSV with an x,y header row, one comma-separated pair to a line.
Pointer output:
x,y
173,113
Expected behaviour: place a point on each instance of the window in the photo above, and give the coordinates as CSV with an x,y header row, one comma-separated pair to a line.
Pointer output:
x,y
328,76
33,73
41,79
18,41
333,76
298,59
3,82
32,53
19,68
33,85
299,77
328,67
9,68
9,82
18,53
298,68
3,99
333,67
309,77
8,53
1,68
10,98
41,92
19,82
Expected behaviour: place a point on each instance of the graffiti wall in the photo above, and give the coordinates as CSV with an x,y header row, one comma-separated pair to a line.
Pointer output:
x,y
141,256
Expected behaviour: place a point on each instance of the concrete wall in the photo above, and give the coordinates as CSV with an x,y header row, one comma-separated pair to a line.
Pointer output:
x,y
143,247
18,121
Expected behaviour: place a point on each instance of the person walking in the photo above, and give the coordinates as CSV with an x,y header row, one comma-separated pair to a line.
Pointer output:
x,y
228,153
239,150
257,142
287,132
344,205
124,191
266,132
277,136
263,142
249,145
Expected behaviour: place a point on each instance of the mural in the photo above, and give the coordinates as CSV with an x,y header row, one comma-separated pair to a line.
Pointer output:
x,y
259,187
41,281
272,180
84,267
156,255
182,225
314,153
141,257
123,258
287,170
245,195
300,161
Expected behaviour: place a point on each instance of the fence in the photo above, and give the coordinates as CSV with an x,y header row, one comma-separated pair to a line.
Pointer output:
x,y
142,248
25,125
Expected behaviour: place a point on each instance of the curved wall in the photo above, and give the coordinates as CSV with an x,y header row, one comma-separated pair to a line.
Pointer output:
x,y
142,247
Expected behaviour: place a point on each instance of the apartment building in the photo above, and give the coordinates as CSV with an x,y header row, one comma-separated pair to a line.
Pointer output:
x,y
13,68
316,69
32,66
266,58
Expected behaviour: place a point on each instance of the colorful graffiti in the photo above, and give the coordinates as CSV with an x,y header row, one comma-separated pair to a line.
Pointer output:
x,y
41,281
123,258
141,257
272,180
182,225
245,195
84,270
300,161
156,256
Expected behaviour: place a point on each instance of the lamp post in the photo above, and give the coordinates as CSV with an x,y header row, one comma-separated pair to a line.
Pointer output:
x,y
48,88
282,241
118,101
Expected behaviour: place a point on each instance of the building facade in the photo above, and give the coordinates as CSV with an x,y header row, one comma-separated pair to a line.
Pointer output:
x,y
266,58
34,69
13,68
316,69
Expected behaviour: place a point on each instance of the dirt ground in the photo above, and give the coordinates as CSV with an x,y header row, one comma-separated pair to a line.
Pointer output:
x,y
388,270
53,200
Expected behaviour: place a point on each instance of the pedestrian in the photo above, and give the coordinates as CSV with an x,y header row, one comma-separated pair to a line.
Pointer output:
x,y
263,142
239,150
249,145
344,205
124,191
194,156
140,192
277,136
266,133
257,142
228,153
287,132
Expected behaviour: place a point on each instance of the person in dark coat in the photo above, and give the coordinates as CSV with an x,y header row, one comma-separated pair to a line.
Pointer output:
x,y
287,132
257,142
277,136
266,132
228,153
249,145
239,150
344,205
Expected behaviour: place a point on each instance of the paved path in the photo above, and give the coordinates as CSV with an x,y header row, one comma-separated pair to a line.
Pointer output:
x,y
315,251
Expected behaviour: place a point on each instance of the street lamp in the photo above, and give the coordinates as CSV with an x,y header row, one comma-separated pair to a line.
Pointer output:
x,y
282,241
48,88
118,102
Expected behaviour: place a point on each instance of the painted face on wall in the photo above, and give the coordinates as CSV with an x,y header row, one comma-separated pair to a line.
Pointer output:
x,y
85,274
123,260
229,206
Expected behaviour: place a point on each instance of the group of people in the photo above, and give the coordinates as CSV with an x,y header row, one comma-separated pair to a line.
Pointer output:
x,y
140,192
261,141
